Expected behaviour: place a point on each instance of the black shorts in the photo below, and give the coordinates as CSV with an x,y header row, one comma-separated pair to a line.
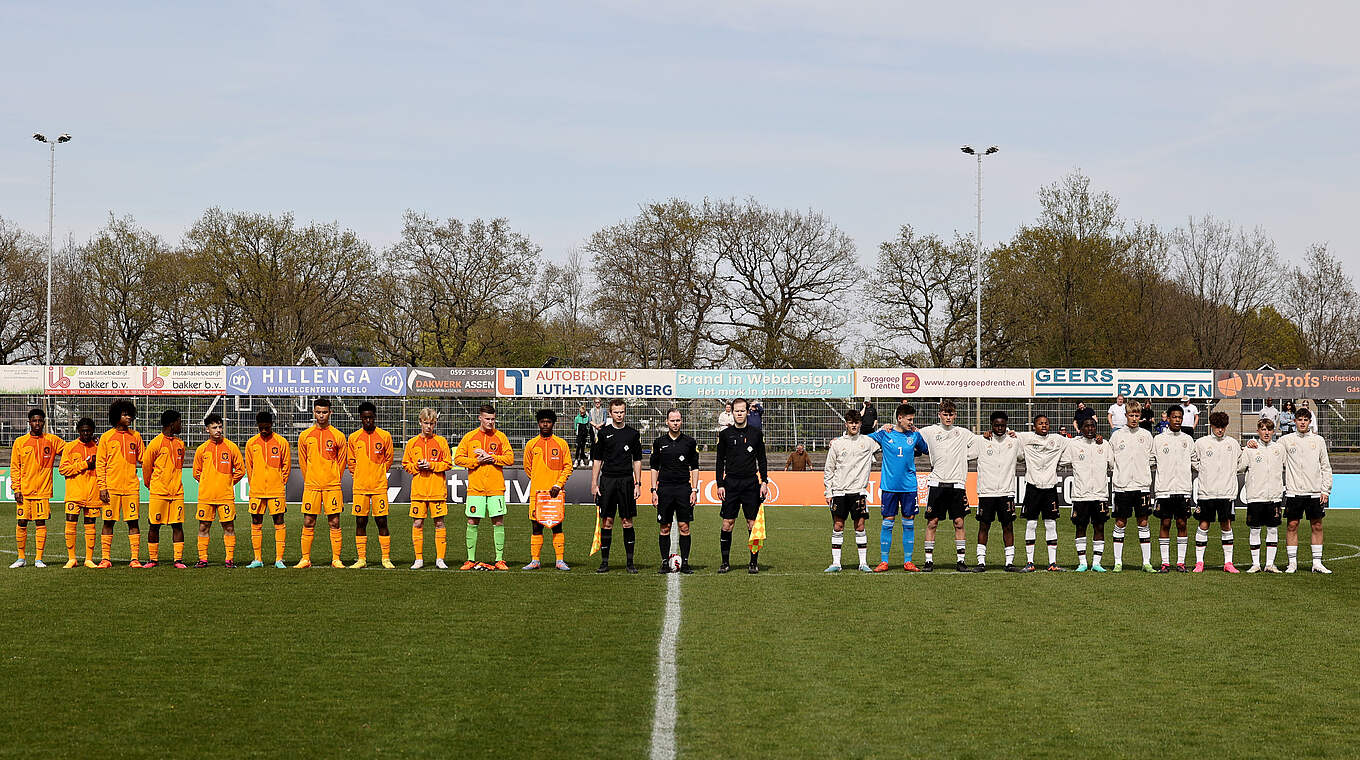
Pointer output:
x,y
1130,503
740,495
1040,501
672,503
616,496
1263,514
850,505
1298,507
946,500
998,508
1176,506
1090,512
1214,510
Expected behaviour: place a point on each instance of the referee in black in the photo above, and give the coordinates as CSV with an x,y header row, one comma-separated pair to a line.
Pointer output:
x,y
742,477
675,487
616,480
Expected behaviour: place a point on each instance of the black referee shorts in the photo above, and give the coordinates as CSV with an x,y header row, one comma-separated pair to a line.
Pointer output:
x,y
741,495
616,496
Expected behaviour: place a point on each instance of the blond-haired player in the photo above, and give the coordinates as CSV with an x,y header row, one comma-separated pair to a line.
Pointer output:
x,y
321,455
268,459
120,491
370,457
163,473
30,474
78,462
218,467
427,458
547,462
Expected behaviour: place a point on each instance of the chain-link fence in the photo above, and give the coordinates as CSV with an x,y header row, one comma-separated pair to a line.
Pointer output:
x,y
787,422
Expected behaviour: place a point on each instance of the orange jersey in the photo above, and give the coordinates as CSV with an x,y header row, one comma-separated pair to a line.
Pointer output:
x,y
547,462
370,457
428,485
321,454
267,465
218,467
30,465
485,479
116,463
163,467
82,487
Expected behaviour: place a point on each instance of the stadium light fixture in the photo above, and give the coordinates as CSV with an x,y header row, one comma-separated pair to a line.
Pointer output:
x,y
968,149
64,137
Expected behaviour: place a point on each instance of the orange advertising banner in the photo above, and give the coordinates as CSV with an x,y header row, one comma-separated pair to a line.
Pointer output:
x,y
799,488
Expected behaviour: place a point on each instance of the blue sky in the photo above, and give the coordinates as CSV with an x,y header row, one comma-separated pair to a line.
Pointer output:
x,y
563,117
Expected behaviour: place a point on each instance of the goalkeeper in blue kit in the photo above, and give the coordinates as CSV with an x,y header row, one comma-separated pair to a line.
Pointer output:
x,y
897,484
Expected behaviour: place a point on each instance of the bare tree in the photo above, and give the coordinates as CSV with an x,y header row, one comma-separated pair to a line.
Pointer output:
x,y
23,296
927,295
1228,275
1320,298
789,279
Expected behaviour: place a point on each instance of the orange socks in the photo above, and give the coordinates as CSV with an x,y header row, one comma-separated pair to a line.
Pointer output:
x,y
257,541
229,543
418,541
386,543
280,539
106,545
360,545
42,541
441,542
153,549
307,535
560,544
179,550
21,535
135,545
337,543
90,532
203,548
70,540
535,546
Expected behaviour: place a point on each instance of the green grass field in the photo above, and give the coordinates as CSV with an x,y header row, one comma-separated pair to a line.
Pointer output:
x,y
791,663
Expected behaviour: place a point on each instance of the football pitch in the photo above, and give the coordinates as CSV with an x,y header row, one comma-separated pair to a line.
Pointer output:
x,y
789,663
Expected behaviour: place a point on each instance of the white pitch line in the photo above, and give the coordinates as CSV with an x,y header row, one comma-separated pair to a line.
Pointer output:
x,y
663,717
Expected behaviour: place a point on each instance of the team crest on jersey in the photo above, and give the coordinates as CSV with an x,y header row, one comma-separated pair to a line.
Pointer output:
x,y
682,457
1293,448
1258,457
226,457
1208,453
989,451
748,448
1121,446
1166,449
378,447
625,447
1081,457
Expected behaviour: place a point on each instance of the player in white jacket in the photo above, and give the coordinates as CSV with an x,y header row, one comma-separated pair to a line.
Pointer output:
x,y
1216,455
1132,480
1040,451
849,460
1090,460
1263,461
947,446
996,456
1307,488
1174,451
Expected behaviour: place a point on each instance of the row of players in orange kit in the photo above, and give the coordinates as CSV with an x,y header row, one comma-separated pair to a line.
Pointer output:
x,y
102,481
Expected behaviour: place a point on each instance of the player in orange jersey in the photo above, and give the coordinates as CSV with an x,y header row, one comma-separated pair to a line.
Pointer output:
x,y
163,473
268,462
427,458
30,473
547,462
218,467
82,491
120,491
321,455
485,452
370,457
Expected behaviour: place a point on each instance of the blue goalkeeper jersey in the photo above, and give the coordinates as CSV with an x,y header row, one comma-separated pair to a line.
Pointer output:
x,y
898,471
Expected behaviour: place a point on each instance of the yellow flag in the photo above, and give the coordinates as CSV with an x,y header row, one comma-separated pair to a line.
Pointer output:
x,y
595,544
757,538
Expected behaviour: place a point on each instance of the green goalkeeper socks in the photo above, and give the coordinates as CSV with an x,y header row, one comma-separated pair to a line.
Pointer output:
x,y
472,543
498,536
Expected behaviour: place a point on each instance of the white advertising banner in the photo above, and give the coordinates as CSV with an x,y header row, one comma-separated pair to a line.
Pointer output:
x,y
136,381
944,382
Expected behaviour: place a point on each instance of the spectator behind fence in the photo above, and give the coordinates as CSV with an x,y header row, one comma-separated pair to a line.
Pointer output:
x,y
1286,422
1116,415
583,437
1082,414
1191,416
1269,412
868,417
725,418
756,417
799,460
1145,417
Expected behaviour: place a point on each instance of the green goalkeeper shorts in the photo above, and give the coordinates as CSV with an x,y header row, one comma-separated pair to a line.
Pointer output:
x,y
485,506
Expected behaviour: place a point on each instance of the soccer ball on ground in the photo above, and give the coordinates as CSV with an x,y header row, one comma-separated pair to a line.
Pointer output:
x,y
673,562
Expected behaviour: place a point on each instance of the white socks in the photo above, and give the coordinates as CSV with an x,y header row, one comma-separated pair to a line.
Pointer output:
x,y
837,540
1031,530
862,545
1145,543
1118,544
1051,537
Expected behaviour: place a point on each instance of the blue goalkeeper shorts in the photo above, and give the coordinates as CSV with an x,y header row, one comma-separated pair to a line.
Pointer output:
x,y
899,501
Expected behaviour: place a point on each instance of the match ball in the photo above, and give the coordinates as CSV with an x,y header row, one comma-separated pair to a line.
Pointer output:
x,y
673,562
